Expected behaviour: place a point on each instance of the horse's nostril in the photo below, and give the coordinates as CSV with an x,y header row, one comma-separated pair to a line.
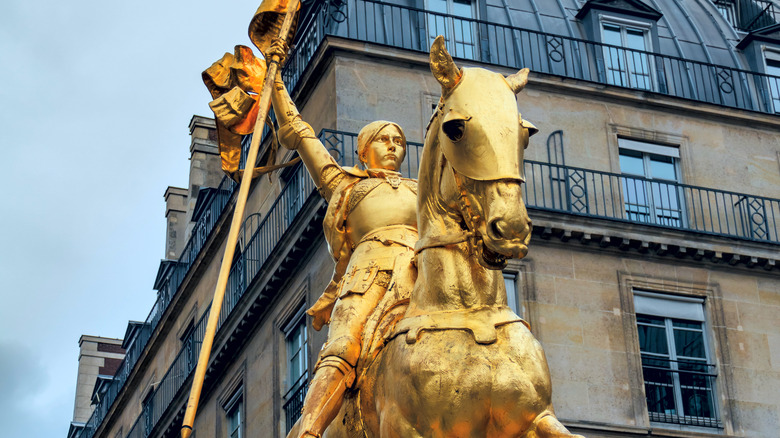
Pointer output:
x,y
495,229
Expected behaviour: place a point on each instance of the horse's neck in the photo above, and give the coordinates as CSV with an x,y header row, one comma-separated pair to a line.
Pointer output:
x,y
449,278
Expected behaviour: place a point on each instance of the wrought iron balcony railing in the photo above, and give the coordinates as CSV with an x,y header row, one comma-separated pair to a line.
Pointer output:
x,y
755,14
680,391
638,200
414,29
618,197
294,402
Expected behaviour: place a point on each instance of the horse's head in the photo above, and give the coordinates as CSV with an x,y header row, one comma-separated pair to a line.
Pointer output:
x,y
483,137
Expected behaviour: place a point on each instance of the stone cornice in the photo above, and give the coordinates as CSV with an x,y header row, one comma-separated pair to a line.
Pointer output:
x,y
656,242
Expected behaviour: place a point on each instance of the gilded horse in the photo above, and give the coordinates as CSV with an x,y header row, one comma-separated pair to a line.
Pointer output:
x,y
461,363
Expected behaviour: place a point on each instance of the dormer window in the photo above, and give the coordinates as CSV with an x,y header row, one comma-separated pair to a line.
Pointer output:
x,y
772,61
762,50
627,31
455,20
727,10
626,58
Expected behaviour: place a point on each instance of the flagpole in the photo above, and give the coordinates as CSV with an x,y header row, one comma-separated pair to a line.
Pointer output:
x,y
235,225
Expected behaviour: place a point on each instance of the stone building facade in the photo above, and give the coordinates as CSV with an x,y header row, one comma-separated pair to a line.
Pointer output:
x,y
652,279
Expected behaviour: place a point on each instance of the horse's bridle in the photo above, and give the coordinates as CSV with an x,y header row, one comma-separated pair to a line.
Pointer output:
x,y
470,235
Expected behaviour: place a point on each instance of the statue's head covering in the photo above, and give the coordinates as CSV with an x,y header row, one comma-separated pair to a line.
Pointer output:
x,y
369,133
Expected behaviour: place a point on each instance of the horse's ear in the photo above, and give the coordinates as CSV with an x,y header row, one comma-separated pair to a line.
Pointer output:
x,y
442,66
518,80
529,126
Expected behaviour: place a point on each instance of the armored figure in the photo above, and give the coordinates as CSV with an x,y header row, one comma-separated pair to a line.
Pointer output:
x,y
371,229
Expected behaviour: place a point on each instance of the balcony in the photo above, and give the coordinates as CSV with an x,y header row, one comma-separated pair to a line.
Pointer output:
x,y
664,204
413,29
294,402
749,15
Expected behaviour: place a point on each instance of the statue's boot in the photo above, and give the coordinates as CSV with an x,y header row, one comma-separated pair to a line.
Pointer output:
x,y
547,426
332,376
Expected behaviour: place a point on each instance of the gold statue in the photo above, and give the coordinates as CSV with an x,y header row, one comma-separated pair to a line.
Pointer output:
x,y
371,229
455,361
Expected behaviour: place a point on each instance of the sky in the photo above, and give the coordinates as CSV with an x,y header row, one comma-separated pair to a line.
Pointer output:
x,y
95,103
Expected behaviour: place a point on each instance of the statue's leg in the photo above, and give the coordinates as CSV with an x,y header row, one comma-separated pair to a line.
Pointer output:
x,y
335,371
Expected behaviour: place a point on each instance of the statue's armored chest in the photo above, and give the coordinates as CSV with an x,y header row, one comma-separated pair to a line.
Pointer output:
x,y
392,189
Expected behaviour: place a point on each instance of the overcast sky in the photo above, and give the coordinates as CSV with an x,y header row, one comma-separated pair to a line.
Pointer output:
x,y
96,100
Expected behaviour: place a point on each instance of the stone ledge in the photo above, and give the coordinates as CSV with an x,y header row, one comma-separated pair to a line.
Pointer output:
x,y
654,241
619,430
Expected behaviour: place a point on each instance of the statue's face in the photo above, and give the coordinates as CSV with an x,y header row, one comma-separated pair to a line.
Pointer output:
x,y
386,151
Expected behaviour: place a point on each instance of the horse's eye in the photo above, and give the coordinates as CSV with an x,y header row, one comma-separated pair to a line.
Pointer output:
x,y
454,129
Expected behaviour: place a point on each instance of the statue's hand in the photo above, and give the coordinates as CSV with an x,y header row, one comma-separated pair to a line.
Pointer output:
x,y
277,51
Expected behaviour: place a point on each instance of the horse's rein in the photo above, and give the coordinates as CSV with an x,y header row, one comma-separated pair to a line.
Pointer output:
x,y
469,216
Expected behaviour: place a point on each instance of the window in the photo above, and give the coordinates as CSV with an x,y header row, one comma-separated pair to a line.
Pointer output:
x,y
296,342
773,70
188,345
233,413
627,64
510,281
726,9
147,408
650,173
678,376
457,25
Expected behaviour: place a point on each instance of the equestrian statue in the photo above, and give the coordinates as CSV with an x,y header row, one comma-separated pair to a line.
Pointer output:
x,y
422,342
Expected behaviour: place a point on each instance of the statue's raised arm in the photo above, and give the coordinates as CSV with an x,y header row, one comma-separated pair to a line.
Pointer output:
x,y
296,134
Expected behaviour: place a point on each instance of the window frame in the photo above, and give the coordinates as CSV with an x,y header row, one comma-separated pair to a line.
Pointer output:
x,y
668,316
235,402
716,337
772,55
295,390
450,25
647,150
730,8
647,32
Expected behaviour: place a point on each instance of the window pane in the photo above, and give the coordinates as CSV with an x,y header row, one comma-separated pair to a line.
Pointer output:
x,y
612,35
684,323
652,339
511,292
614,58
773,69
234,421
689,343
660,395
296,353
437,6
648,319
462,8
662,168
631,162
635,39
